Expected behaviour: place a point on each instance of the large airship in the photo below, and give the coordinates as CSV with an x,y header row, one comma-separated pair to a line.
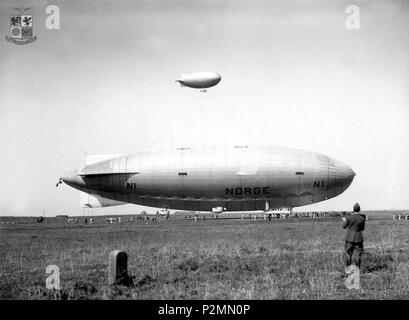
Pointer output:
x,y
240,178
199,80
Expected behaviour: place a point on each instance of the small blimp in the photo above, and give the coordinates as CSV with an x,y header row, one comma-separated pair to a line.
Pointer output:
x,y
199,80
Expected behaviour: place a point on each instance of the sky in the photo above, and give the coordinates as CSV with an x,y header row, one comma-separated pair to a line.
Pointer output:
x,y
292,74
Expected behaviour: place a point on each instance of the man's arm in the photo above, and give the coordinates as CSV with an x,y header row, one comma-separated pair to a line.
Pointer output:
x,y
344,222
363,224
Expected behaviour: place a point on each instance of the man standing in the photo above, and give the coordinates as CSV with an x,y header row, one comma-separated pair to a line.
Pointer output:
x,y
354,241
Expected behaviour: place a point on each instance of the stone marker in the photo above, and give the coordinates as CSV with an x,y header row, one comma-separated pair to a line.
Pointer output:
x,y
118,267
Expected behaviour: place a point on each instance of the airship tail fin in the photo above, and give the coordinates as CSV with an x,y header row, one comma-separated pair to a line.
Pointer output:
x,y
93,158
95,201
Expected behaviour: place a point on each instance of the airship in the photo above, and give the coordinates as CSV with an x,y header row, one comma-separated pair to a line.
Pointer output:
x,y
214,179
199,80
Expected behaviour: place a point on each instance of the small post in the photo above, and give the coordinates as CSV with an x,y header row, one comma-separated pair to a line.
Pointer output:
x,y
118,267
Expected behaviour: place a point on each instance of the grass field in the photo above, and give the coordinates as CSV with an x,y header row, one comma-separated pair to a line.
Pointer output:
x,y
296,258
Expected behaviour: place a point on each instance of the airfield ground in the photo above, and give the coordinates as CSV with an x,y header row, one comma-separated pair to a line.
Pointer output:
x,y
296,258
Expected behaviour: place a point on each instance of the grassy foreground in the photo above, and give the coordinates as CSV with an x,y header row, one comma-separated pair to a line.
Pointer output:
x,y
297,258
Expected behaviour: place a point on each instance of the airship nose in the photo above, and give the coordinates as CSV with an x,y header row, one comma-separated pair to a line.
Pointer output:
x,y
345,171
73,179
343,174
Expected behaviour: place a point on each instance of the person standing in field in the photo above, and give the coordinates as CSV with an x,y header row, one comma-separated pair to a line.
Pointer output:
x,y
354,241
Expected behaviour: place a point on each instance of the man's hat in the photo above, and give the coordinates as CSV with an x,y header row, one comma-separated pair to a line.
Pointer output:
x,y
357,208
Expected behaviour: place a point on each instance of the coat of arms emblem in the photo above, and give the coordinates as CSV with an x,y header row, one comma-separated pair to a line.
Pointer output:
x,y
21,27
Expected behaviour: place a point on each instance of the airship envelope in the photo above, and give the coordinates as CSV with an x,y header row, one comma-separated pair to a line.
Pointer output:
x,y
199,80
